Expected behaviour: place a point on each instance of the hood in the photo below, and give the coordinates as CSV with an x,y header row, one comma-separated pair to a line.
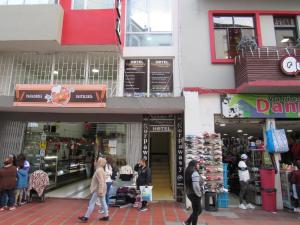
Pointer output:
x,y
101,162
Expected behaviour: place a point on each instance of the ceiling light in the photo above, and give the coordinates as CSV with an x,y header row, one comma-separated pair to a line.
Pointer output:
x,y
284,40
222,124
95,70
225,134
239,131
55,72
289,131
232,137
245,134
250,137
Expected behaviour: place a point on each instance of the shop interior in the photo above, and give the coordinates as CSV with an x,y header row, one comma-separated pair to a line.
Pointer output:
x,y
247,136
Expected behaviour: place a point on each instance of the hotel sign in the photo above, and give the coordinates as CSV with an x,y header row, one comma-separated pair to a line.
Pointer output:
x,y
290,65
260,106
60,95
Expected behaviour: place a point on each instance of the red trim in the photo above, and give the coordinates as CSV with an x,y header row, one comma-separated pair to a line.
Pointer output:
x,y
255,13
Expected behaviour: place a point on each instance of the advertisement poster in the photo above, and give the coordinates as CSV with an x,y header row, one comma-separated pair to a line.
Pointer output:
x,y
135,77
260,106
161,76
44,95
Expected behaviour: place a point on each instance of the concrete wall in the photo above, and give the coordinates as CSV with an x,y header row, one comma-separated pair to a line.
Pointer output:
x,y
31,22
194,50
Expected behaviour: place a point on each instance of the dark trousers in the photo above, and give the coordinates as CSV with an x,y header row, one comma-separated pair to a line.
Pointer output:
x,y
244,190
197,209
8,198
298,193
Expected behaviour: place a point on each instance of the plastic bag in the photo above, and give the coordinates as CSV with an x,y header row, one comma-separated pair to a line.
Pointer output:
x,y
276,140
146,193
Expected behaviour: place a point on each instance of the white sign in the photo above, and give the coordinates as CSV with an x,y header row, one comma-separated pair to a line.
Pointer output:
x,y
290,65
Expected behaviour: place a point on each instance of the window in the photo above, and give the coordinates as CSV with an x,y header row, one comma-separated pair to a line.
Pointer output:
x,y
93,4
27,2
228,31
149,23
285,31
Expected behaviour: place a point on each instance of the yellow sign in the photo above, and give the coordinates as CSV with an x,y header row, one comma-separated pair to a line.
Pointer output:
x,y
43,145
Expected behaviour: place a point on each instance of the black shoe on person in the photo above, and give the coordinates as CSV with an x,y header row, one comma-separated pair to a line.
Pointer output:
x,y
104,218
83,218
142,209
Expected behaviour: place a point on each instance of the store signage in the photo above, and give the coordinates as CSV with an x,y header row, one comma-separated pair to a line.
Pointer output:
x,y
180,157
161,76
135,77
145,138
261,106
44,95
161,128
290,65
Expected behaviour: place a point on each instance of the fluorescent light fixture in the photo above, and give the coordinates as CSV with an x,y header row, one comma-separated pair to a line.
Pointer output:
x,y
55,72
222,124
289,131
95,70
245,134
232,137
284,40
250,137
239,131
225,134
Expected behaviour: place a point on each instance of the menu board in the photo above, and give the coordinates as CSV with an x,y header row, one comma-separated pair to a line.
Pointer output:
x,y
135,77
161,76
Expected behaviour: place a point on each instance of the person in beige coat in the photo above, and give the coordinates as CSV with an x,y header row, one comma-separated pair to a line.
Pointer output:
x,y
98,190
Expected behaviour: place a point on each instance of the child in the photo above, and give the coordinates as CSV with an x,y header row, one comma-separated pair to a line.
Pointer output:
x,y
22,182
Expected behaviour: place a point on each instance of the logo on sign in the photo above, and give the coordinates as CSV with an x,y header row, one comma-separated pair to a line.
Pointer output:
x,y
290,65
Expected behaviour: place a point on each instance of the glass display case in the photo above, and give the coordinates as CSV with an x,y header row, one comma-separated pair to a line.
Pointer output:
x,y
32,149
50,167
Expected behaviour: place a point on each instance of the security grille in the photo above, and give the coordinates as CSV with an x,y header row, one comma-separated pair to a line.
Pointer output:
x,y
58,68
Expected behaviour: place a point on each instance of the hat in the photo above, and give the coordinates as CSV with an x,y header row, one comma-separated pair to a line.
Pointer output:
x,y
244,156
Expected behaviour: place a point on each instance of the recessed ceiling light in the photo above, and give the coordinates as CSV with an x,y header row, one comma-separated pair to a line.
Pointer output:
x,y
239,131
245,134
232,137
285,40
55,72
222,124
225,134
95,70
289,131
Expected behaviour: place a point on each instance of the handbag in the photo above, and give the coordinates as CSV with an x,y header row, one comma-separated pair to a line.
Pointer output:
x,y
276,140
146,193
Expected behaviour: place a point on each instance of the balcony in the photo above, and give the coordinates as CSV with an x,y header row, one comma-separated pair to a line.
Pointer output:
x,y
30,25
260,71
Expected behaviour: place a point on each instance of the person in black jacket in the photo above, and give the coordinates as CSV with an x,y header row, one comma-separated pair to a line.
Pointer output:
x,y
144,178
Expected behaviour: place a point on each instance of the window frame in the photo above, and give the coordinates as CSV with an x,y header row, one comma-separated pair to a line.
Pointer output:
x,y
291,28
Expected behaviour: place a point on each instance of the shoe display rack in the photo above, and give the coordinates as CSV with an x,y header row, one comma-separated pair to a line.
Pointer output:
x,y
207,150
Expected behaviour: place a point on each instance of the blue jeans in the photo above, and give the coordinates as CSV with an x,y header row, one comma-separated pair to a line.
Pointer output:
x,y
92,203
8,198
108,185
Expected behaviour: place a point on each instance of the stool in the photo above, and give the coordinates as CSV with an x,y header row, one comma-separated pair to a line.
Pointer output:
x,y
211,201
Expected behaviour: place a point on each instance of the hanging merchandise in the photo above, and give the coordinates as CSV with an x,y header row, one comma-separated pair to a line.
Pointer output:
x,y
276,140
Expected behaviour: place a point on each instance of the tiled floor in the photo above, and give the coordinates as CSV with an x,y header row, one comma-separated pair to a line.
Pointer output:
x,y
65,211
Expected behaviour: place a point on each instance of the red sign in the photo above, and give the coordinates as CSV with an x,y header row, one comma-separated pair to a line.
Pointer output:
x,y
45,95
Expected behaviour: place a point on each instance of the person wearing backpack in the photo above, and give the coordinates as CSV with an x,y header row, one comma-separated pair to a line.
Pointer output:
x,y
194,186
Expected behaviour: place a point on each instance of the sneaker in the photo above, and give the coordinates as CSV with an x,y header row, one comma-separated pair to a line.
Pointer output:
x,y
297,209
2,209
250,206
83,218
102,211
104,218
142,209
242,206
12,208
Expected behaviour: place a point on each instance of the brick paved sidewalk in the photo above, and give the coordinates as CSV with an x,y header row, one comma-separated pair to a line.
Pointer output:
x,y
65,211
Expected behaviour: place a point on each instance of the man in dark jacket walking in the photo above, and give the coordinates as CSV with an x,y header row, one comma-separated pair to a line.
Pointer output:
x,y
144,178
8,182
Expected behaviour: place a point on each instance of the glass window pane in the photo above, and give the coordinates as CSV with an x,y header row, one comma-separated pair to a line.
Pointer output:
x,y
285,37
32,2
221,45
149,39
235,35
284,21
78,4
15,2
160,15
3,2
243,22
137,19
222,21
97,4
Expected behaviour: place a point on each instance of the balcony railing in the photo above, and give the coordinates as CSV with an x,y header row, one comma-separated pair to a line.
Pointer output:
x,y
58,68
28,2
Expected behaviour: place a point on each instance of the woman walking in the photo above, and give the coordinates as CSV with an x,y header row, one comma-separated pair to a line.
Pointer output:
x,y
193,185
98,190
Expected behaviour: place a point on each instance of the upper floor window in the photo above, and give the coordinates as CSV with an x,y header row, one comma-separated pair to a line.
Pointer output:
x,y
149,23
228,31
93,4
285,31
27,2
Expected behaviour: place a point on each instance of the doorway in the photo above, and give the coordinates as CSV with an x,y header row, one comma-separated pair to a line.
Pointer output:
x,y
162,166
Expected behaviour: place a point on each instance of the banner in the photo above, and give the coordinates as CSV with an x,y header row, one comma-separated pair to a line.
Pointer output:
x,y
44,95
260,106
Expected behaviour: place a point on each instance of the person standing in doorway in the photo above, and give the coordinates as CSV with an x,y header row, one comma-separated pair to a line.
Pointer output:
x,y
144,178
194,190
295,179
244,178
108,173
98,190
88,163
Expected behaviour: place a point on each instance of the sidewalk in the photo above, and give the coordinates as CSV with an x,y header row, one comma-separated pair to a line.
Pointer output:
x,y
65,211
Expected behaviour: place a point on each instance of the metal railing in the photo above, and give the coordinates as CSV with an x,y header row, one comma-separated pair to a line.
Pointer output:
x,y
58,68
28,2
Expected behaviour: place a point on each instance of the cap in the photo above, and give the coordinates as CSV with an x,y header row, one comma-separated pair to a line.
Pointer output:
x,y
244,156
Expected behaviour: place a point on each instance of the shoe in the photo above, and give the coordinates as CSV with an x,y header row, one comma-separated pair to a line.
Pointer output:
x,y
142,209
297,209
83,218
2,209
250,206
184,223
102,211
104,218
242,206
12,208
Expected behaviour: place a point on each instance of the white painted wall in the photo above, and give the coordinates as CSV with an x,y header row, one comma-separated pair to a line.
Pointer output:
x,y
267,30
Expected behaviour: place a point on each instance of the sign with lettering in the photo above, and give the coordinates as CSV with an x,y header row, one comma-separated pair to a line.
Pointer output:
x,y
161,77
135,77
290,65
261,106
44,95
180,157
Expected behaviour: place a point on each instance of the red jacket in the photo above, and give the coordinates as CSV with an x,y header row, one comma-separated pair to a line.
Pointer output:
x,y
8,178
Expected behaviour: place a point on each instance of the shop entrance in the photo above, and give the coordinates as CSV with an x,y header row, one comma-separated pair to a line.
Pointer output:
x,y
162,166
